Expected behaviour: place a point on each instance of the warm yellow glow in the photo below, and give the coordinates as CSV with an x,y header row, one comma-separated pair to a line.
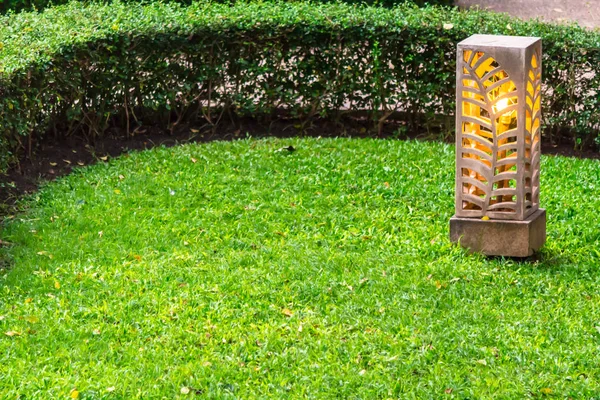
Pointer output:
x,y
496,118
501,105
498,128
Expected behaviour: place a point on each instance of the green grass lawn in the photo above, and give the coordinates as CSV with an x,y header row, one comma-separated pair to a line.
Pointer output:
x,y
231,269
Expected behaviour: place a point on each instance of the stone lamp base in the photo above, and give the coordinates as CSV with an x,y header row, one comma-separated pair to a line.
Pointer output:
x,y
500,237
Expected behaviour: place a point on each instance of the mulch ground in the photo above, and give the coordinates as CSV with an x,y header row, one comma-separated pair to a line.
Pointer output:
x,y
55,159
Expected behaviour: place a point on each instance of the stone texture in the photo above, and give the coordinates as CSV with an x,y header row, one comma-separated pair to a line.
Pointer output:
x,y
500,237
498,119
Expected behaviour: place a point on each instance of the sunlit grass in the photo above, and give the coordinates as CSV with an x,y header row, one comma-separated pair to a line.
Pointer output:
x,y
232,269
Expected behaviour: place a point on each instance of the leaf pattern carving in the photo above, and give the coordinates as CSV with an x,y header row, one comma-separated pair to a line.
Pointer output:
x,y
532,132
487,163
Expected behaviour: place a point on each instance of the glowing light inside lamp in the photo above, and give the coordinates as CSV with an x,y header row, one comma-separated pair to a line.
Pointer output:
x,y
501,105
498,119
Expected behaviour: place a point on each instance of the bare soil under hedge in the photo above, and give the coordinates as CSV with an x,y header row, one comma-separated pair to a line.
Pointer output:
x,y
58,158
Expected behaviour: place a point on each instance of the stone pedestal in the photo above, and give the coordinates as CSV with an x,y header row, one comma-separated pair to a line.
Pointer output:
x,y
500,237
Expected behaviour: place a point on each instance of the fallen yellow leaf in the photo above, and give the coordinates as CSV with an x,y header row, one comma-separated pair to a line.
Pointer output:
x,y
287,312
74,394
57,284
485,218
12,333
546,391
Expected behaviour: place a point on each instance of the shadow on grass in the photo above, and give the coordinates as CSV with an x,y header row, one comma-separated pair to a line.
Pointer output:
x,y
548,260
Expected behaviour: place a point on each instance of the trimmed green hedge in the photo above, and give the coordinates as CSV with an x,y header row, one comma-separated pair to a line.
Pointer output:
x,y
29,5
82,69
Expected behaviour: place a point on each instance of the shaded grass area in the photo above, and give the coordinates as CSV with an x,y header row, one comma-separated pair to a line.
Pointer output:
x,y
242,269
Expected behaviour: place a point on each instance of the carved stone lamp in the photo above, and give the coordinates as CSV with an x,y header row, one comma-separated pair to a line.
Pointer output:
x,y
498,115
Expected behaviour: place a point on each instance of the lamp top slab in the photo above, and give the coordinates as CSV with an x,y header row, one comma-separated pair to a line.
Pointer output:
x,y
521,42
